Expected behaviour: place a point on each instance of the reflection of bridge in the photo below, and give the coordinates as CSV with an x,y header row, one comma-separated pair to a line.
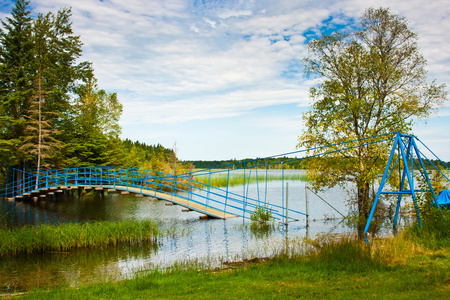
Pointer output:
x,y
187,191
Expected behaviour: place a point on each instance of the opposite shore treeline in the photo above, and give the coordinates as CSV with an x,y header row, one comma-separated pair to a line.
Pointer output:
x,y
52,112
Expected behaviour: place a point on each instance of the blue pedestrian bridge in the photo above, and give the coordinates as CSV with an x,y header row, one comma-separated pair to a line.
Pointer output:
x,y
405,160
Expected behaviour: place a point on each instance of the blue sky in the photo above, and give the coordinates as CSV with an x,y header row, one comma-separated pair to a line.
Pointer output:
x,y
223,79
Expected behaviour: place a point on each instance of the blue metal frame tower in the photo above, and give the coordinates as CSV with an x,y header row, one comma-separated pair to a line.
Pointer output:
x,y
408,157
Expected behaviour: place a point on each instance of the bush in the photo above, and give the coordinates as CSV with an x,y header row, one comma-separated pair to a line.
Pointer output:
x,y
261,214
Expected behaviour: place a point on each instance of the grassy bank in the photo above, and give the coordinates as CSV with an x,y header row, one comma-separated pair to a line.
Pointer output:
x,y
221,180
415,264
64,237
344,269
406,266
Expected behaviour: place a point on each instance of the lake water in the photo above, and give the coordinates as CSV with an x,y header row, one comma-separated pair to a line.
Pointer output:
x,y
210,241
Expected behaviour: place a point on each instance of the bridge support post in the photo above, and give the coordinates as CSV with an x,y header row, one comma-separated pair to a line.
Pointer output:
x,y
287,203
403,157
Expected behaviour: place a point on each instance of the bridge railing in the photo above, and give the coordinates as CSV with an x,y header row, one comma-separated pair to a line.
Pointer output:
x,y
183,186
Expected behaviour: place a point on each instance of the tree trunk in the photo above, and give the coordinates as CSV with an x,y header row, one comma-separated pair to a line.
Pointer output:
x,y
363,207
39,131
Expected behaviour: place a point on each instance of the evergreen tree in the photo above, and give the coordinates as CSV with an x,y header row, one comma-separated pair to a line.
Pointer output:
x,y
41,123
56,71
94,135
40,137
16,84
38,72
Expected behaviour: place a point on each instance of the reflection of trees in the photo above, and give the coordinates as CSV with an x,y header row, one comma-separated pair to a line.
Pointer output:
x,y
74,268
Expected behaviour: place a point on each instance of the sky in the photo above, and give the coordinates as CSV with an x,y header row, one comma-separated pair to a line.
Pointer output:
x,y
223,79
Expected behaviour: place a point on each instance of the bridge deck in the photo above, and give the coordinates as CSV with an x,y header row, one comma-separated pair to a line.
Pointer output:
x,y
215,213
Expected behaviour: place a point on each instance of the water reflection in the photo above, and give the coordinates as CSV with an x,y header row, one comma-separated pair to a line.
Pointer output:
x,y
209,241
72,269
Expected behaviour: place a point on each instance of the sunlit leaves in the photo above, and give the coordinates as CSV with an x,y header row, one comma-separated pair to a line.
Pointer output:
x,y
373,81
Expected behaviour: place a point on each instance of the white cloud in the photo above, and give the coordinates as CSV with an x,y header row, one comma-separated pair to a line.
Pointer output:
x,y
178,61
209,107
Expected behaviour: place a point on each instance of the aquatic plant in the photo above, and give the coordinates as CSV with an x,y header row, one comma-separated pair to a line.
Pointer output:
x,y
64,237
262,224
335,267
222,180
261,215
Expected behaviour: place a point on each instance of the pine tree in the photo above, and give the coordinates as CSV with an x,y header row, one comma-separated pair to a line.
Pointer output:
x,y
94,137
56,71
16,85
40,137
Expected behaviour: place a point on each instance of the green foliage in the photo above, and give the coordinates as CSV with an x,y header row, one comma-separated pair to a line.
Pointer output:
x,y
345,254
222,180
373,81
261,215
262,225
93,138
272,163
64,237
153,157
343,269
38,70
16,52
52,113
435,229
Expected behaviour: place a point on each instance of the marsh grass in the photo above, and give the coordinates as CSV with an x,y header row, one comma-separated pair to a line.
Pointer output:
x,y
407,265
64,237
435,230
222,180
323,267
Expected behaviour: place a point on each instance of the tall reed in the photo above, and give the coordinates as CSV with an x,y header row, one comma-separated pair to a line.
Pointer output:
x,y
64,237
434,231
239,179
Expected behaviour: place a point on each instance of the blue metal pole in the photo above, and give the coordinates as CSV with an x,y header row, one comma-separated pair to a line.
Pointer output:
x,y
257,182
426,174
209,185
141,182
282,189
411,185
226,195
176,182
243,194
382,183
127,179
424,171
265,192
402,184
248,184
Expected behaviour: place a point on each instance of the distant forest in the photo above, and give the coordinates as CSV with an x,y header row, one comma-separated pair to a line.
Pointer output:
x,y
275,163
272,163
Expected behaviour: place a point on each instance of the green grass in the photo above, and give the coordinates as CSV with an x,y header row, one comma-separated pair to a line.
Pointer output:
x,y
327,267
339,270
239,179
435,229
64,237
407,266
